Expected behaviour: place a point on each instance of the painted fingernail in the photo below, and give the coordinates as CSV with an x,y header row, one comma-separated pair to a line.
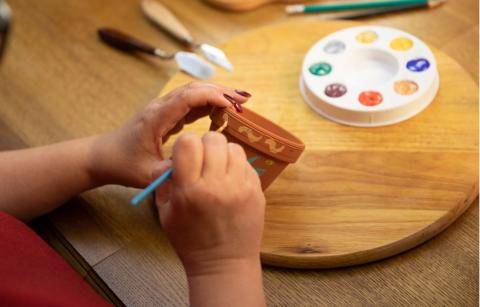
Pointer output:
x,y
230,98
243,93
237,106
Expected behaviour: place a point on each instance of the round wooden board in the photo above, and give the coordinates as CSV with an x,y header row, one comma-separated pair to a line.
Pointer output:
x,y
357,194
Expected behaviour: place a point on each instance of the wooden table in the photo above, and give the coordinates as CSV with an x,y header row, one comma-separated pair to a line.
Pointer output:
x,y
58,82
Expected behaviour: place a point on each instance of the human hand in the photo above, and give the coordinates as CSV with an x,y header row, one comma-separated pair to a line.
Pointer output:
x,y
212,209
130,154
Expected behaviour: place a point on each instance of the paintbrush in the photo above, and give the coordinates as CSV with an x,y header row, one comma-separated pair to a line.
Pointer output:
x,y
151,187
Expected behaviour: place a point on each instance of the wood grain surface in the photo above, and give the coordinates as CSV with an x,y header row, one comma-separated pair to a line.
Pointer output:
x,y
58,81
356,194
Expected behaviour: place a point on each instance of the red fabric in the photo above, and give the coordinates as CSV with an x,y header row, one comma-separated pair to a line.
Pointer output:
x,y
32,274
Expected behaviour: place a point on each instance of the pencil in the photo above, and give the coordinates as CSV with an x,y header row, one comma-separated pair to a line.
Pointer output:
x,y
376,12
330,7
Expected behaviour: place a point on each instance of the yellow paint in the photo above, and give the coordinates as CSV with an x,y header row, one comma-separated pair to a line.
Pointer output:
x,y
269,162
401,44
367,37
273,146
252,138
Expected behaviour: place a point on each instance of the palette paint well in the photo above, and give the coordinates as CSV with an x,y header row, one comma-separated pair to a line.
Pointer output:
x,y
369,76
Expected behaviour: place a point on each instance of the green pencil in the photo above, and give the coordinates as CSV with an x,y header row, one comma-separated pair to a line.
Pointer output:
x,y
330,7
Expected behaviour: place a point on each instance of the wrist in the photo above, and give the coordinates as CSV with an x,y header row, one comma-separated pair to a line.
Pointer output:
x,y
234,283
223,267
97,160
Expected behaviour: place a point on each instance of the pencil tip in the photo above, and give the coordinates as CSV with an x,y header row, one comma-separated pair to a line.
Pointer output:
x,y
294,9
435,3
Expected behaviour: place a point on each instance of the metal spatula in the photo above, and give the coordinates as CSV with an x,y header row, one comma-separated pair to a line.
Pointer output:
x,y
165,19
187,61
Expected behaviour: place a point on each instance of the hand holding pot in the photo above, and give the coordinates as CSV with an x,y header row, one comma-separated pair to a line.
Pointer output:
x,y
129,154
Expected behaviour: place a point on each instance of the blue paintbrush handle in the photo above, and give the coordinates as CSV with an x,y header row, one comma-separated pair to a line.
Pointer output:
x,y
155,184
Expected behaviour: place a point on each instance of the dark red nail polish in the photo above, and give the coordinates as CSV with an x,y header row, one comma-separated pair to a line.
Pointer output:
x,y
230,98
237,106
243,93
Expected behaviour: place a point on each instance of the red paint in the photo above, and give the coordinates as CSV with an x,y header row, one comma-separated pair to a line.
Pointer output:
x,y
370,98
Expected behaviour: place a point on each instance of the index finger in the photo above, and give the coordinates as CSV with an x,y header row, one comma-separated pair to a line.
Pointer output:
x,y
178,103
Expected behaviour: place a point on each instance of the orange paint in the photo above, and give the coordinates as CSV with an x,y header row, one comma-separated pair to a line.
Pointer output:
x,y
405,87
370,98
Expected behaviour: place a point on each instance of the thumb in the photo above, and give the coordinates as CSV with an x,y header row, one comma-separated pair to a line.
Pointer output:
x,y
162,193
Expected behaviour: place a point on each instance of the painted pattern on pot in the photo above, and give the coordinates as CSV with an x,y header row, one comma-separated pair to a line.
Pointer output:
x,y
249,133
273,146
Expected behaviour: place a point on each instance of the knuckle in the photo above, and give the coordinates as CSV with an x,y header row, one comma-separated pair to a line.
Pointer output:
x,y
187,141
214,137
186,90
146,117
235,148
194,84
238,152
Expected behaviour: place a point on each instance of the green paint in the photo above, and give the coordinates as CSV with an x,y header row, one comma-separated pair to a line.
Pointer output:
x,y
259,171
320,69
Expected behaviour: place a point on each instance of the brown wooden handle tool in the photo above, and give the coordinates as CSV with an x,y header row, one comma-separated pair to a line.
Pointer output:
x,y
124,42
165,19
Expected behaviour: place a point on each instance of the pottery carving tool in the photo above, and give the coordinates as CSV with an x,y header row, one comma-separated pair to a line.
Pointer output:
x,y
187,61
165,19
330,7
387,10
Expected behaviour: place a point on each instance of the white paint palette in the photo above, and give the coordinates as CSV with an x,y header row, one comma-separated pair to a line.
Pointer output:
x,y
369,76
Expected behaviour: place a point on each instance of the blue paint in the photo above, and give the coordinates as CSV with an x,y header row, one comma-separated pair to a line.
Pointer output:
x,y
252,159
418,65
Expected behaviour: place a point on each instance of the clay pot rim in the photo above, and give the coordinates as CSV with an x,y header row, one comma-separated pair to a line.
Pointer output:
x,y
293,141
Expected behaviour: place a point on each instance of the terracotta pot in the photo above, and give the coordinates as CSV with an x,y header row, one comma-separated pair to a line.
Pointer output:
x,y
269,147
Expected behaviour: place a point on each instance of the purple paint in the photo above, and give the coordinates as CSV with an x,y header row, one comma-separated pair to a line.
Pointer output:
x,y
335,90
